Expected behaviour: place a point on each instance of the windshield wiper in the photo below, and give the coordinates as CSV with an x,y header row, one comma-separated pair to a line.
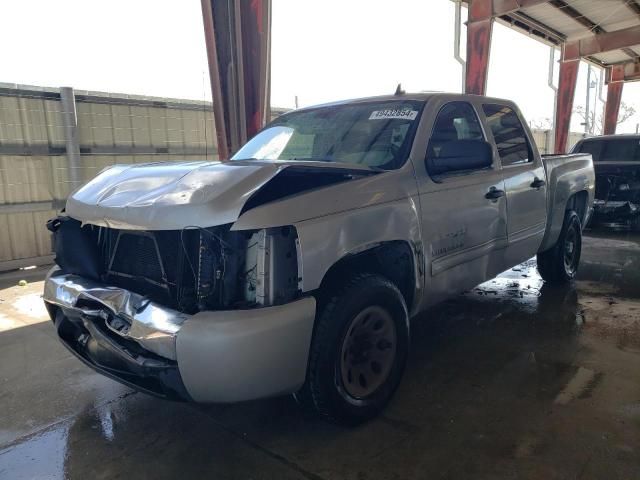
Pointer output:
x,y
339,164
313,159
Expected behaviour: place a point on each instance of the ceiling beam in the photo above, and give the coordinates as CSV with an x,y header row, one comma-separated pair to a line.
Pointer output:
x,y
486,9
531,26
602,42
571,12
623,72
634,6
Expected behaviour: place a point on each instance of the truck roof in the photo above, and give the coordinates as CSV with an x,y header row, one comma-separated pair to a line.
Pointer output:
x,y
633,136
420,96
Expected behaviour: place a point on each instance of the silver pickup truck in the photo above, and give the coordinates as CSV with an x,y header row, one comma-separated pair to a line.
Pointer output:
x,y
296,266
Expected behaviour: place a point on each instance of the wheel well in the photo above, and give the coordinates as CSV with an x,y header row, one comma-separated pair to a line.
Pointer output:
x,y
578,202
393,260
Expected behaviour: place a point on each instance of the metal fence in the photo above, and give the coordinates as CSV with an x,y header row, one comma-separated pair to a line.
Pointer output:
x,y
53,140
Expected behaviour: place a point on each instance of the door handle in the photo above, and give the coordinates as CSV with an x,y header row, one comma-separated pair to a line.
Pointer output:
x,y
537,183
494,193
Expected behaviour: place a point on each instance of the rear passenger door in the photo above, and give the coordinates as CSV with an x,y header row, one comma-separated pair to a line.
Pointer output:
x,y
524,179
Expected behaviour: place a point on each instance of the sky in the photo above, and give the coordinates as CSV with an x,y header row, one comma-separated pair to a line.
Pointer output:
x,y
321,51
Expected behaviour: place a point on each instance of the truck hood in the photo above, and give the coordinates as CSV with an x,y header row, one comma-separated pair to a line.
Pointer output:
x,y
172,196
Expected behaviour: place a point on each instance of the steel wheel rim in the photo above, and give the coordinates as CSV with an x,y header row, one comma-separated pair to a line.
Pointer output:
x,y
570,251
368,352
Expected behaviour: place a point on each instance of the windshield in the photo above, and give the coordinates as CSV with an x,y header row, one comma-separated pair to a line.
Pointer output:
x,y
376,135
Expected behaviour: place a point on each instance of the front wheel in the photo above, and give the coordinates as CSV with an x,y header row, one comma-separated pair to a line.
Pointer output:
x,y
560,263
358,352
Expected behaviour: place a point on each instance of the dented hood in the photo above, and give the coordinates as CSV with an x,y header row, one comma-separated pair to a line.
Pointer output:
x,y
171,196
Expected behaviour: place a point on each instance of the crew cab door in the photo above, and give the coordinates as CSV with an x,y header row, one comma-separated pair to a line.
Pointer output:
x,y
524,180
463,211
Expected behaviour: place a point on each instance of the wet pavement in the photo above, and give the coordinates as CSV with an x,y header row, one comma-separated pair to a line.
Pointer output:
x,y
511,380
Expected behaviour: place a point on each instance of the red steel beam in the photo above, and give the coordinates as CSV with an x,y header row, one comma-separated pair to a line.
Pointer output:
x,y
614,95
604,42
632,71
479,29
478,49
256,39
214,76
564,102
238,40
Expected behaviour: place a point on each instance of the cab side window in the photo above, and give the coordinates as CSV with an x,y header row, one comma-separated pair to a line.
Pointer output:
x,y
456,131
508,133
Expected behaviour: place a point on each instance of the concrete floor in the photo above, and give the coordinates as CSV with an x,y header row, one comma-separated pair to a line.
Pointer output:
x,y
511,380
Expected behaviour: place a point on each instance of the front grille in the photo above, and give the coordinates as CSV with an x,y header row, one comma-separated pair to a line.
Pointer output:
x,y
136,255
151,264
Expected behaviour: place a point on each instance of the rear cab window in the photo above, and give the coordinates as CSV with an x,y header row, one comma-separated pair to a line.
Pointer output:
x,y
508,134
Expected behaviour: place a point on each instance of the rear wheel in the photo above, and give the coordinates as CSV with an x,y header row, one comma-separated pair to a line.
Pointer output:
x,y
358,352
560,263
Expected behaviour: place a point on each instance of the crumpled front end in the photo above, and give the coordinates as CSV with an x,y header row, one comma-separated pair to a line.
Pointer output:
x,y
161,288
118,333
124,314
212,356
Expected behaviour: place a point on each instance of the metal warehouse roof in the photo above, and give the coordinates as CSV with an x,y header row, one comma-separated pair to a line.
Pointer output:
x,y
591,22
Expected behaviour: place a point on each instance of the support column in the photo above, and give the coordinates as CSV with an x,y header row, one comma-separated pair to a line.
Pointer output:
x,y
238,39
614,95
70,127
564,99
479,30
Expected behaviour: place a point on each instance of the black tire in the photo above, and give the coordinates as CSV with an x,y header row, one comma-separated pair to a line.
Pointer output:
x,y
560,263
325,391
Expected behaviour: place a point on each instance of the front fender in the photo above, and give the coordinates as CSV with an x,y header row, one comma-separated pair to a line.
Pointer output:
x,y
326,240
345,219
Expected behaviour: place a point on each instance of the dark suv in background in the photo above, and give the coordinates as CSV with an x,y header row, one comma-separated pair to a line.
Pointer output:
x,y
616,159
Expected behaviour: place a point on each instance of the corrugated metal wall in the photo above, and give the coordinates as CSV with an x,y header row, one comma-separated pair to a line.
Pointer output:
x,y
543,140
34,171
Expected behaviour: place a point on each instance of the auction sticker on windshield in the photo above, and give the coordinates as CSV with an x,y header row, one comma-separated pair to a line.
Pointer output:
x,y
404,114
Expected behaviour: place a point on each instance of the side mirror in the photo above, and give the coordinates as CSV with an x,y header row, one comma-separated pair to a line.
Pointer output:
x,y
458,155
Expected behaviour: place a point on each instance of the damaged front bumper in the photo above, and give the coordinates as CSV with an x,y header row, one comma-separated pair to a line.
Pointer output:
x,y
211,356
126,314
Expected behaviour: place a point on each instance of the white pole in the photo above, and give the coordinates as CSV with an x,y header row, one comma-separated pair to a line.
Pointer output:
x,y
551,136
456,43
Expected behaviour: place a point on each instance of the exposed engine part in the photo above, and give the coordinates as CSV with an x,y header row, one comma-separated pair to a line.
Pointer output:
x,y
272,266
211,266
189,270
251,267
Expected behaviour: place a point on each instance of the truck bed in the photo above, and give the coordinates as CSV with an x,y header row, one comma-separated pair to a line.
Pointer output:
x,y
567,174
